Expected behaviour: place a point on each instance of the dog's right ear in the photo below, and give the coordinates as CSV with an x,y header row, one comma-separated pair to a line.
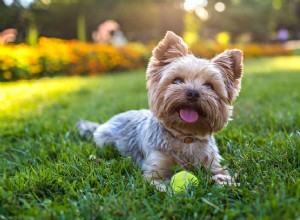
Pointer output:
x,y
230,63
172,46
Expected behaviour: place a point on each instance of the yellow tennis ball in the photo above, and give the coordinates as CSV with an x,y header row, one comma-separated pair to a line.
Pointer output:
x,y
180,181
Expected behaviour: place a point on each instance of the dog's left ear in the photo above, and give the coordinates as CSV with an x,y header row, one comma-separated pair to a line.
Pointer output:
x,y
230,62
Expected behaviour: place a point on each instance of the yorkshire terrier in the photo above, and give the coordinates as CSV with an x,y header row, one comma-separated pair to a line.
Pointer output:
x,y
190,99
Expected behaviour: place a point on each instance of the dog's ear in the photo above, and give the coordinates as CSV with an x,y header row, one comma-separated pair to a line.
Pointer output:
x,y
230,62
172,46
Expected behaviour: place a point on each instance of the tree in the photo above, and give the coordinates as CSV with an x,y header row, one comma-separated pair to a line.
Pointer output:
x,y
150,19
260,18
138,20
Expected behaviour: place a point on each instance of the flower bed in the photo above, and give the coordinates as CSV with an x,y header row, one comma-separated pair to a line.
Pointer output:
x,y
250,50
54,57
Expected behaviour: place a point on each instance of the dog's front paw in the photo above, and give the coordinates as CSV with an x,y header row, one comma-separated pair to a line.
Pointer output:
x,y
159,185
224,179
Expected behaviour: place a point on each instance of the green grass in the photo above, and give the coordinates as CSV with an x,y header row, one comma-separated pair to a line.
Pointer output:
x,y
46,172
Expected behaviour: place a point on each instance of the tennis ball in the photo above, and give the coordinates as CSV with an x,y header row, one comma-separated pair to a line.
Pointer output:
x,y
180,181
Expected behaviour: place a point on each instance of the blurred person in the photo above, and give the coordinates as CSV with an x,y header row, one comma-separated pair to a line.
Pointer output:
x,y
283,35
109,32
8,36
117,38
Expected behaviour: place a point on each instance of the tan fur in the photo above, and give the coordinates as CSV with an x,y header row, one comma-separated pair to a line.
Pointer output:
x,y
231,64
171,60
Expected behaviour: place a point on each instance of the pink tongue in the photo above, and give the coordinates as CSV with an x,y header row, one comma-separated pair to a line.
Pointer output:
x,y
188,115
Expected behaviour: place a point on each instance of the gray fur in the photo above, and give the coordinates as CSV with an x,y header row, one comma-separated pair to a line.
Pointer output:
x,y
139,135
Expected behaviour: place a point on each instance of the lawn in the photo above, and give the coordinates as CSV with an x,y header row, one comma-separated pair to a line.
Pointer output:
x,y
47,173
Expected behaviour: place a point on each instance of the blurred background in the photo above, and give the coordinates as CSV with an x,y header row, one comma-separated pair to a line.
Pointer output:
x,y
38,31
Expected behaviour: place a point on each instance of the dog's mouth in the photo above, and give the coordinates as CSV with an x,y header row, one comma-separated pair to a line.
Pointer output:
x,y
190,114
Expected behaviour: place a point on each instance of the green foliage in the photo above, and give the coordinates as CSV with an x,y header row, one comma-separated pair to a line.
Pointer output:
x,y
45,170
32,35
81,30
149,19
260,18
140,21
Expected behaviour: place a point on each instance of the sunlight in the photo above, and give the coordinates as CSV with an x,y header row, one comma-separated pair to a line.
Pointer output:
x,y
278,64
220,7
202,13
8,2
46,2
191,5
22,97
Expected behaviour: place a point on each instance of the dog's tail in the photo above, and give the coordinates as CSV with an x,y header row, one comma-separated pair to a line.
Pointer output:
x,y
86,128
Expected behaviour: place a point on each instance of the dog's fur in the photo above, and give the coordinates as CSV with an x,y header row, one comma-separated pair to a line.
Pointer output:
x,y
190,99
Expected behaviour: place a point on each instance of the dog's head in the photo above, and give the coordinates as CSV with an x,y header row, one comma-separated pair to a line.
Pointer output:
x,y
191,95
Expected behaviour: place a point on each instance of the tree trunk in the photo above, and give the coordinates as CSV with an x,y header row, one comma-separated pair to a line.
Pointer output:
x,y
81,28
32,34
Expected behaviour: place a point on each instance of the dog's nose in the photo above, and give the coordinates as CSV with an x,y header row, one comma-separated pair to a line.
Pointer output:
x,y
192,95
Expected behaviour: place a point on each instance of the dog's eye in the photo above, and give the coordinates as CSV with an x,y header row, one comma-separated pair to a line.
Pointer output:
x,y
209,85
177,81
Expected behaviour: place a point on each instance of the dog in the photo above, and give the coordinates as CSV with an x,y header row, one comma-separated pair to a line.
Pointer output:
x,y
190,100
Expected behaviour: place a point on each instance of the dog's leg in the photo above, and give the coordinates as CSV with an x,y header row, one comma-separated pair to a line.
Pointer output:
x,y
220,175
157,168
104,135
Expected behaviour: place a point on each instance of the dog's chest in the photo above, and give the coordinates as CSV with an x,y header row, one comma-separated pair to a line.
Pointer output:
x,y
186,154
